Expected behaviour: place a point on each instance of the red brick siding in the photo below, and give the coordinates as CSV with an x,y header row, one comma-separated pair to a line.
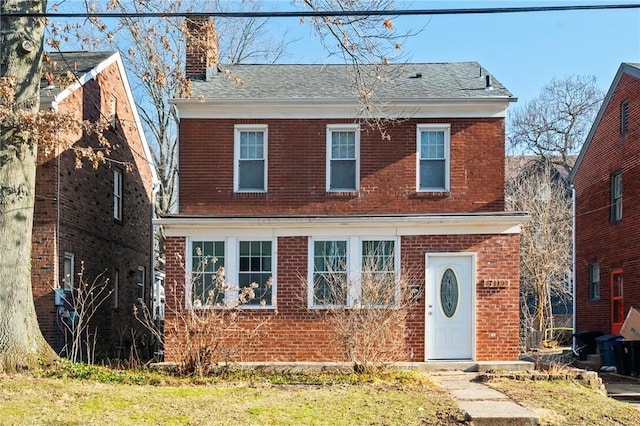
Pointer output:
x,y
297,168
597,240
294,333
85,226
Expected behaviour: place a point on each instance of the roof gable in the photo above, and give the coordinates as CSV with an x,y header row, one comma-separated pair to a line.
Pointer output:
x,y
632,69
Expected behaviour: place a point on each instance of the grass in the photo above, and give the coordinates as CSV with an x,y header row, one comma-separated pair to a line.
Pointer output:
x,y
77,394
567,402
74,394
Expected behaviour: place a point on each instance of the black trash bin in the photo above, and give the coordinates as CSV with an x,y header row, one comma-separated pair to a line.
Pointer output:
x,y
605,347
634,354
622,352
586,343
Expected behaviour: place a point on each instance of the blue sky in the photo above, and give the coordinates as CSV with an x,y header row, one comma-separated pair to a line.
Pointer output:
x,y
523,50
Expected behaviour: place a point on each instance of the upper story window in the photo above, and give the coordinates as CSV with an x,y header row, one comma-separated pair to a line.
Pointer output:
x,y
250,158
343,162
616,197
353,272
68,270
594,281
624,117
140,283
117,195
113,111
433,157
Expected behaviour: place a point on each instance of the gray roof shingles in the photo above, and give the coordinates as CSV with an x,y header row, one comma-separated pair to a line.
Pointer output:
x,y
80,63
458,80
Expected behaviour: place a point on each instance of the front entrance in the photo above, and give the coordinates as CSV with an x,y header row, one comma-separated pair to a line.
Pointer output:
x,y
450,301
617,301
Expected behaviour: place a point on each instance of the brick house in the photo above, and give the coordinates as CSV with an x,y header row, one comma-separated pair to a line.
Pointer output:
x,y
279,177
607,210
99,219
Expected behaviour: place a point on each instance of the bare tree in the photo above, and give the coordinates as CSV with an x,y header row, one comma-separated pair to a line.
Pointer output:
x,y
554,125
545,242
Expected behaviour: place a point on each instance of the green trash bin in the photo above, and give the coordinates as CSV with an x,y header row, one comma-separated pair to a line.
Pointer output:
x,y
605,347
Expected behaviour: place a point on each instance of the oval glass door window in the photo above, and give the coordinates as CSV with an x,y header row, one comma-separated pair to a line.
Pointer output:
x,y
449,293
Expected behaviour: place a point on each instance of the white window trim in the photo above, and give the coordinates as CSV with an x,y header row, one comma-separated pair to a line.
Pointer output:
x,y
237,129
117,194
71,257
342,128
447,155
144,278
354,266
232,270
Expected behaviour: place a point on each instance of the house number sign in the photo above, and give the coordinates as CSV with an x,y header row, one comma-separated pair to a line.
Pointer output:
x,y
494,283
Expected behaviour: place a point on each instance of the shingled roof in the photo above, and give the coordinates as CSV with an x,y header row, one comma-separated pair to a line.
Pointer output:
x,y
458,80
79,63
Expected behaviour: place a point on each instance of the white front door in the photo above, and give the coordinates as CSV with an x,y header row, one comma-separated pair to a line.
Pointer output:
x,y
450,301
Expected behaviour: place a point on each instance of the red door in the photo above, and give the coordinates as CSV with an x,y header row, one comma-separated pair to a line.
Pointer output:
x,y
617,301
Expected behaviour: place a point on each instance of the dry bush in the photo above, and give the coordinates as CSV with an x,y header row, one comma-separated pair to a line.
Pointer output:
x,y
368,312
208,326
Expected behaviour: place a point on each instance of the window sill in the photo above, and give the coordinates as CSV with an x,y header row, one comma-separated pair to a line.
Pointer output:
x,y
430,194
256,194
342,194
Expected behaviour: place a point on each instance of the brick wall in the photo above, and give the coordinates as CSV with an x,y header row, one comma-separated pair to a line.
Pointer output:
x,y
597,239
81,214
295,333
297,168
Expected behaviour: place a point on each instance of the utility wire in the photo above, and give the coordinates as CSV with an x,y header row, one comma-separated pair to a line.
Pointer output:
x,y
303,14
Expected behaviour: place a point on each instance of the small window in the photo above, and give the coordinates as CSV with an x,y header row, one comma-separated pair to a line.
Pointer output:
x,y
207,268
256,271
343,145
251,158
68,277
616,197
594,281
117,195
113,112
140,283
624,117
433,157
116,288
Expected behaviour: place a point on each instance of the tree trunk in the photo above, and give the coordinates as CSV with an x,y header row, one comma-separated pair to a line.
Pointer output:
x,y
21,342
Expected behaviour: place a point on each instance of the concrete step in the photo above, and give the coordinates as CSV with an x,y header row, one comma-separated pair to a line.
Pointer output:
x,y
483,405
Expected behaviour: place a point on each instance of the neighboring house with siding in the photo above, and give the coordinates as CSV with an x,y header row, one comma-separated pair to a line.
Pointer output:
x,y
279,175
99,218
606,179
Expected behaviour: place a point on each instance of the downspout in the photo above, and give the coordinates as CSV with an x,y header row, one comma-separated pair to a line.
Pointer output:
x,y
573,261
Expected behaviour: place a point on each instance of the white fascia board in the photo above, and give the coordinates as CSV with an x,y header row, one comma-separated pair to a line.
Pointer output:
x,y
337,108
356,225
52,102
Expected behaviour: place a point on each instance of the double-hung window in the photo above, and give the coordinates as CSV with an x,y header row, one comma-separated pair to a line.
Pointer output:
x,y
117,195
353,271
207,272
594,281
616,197
250,158
140,278
343,163
433,157
68,272
230,271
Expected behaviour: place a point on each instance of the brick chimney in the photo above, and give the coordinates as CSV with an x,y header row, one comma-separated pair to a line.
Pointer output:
x,y
202,47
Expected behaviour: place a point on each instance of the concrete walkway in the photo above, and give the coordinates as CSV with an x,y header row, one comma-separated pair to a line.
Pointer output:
x,y
483,405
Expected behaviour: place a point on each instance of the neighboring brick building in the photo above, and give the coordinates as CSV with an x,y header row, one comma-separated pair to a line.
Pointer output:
x,y
606,179
99,218
280,178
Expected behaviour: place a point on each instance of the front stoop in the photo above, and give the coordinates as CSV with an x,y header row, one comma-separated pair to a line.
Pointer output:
x,y
483,405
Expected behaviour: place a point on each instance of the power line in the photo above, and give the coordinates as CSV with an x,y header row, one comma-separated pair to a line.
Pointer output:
x,y
304,14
